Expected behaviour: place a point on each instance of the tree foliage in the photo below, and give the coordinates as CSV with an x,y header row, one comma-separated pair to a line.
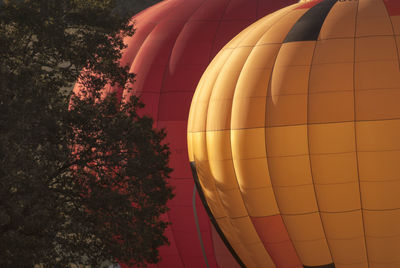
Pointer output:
x,y
80,182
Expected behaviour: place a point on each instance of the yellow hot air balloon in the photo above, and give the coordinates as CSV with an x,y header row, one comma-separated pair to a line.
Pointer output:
x,y
294,137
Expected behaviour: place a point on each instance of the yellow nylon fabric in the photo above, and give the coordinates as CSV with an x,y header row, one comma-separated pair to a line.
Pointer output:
x,y
308,130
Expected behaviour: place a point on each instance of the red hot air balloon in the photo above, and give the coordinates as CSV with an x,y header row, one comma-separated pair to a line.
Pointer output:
x,y
174,42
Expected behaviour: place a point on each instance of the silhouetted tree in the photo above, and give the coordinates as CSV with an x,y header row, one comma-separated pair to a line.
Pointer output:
x,y
80,182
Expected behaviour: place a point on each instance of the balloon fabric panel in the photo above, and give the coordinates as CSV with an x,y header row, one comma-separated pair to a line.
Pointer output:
x,y
216,102
321,152
174,42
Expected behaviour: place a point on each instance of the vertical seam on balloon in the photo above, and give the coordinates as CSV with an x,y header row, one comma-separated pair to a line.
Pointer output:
x,y
158,112
308,136
288,10
267,157
309,150
140,48
217,193
196,220
212,218
122,100
266,147
355,132
194,156
230,142
394,34
161,90
138,52
155,24
233,165
170,54
206,119
217,29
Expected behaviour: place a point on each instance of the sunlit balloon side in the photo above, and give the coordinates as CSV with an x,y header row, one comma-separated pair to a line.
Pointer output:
x,y
174,42
293,137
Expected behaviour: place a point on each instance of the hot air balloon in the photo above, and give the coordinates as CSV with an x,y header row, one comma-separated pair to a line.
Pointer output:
x,y
174,42
294,137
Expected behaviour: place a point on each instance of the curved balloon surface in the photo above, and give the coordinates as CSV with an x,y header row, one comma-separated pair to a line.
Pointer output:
x,y
294,135
174,42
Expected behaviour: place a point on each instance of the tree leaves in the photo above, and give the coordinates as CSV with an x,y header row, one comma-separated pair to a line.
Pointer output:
x,y
83,181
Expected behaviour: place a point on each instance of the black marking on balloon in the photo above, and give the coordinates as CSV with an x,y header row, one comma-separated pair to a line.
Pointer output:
x,y
308,27
211,216
330,265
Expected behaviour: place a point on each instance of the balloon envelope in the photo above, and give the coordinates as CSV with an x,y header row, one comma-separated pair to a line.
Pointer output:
x,y
294,135
174,42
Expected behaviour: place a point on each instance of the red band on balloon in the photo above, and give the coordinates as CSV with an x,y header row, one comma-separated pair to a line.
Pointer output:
x,y
393,7
273,234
